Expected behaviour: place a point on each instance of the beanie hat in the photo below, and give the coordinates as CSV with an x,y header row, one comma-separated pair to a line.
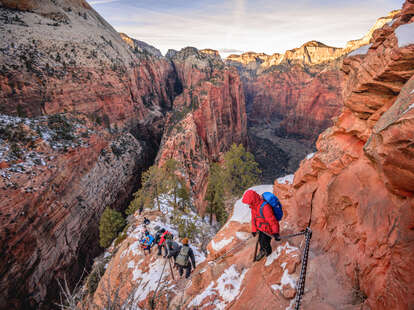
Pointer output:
x,y
185,241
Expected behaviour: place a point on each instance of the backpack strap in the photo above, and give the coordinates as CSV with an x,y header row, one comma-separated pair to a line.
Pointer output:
x,y
261,210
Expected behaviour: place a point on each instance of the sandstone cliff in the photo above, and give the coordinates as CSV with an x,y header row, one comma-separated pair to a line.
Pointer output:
x,y
362,175
83,112
207,117
59,171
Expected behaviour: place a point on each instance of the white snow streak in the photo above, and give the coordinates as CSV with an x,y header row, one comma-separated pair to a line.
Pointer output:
x,y
287,179
217,246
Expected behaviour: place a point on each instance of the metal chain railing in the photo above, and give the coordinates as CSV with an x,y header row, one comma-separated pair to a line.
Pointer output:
x,y
300,286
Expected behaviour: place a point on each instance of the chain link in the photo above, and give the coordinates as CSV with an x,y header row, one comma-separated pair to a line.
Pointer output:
x,y
300,287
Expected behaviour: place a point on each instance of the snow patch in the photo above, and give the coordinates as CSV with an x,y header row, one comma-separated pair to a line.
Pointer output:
x,y
227,287
405,34
410,107
286,279
241,211
287,179
275,254
360,51
217,246
242,235
148,281
309,156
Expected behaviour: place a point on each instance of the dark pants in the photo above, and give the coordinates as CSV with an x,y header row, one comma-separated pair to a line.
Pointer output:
x,y
264,241
160,250
187,270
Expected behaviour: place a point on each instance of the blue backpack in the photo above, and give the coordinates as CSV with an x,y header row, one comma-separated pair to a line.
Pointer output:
x,y
274,202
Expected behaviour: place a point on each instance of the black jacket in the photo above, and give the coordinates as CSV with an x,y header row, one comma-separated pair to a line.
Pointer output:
x,y
190,255
172,248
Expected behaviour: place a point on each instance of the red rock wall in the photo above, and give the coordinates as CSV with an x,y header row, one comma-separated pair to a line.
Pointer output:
x,y
305,101
362,175
65,58
208,117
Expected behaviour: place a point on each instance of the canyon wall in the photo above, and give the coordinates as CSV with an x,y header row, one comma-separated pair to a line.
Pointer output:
x,y
59,171
362,175
83,112
207,117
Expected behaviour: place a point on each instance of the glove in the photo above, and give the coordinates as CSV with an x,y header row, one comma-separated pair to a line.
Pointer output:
x,y
254,233
277,237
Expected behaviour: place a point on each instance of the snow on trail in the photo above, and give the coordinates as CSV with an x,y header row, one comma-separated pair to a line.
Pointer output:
x,y
227,288
217,246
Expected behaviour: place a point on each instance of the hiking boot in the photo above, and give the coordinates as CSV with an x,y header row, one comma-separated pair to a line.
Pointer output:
x,y
260,256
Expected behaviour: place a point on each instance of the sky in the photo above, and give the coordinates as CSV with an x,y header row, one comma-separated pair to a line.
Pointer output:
x,y
236,26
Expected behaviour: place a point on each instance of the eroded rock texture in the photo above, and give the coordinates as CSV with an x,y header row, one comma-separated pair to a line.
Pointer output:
x,y
362,175
208,116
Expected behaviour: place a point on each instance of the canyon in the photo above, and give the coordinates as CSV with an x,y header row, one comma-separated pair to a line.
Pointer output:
x,y
84,110
285,121
355,192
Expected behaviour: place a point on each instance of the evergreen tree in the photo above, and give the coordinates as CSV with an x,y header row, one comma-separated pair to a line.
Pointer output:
x,y
215,195
172,181
110,224
241,170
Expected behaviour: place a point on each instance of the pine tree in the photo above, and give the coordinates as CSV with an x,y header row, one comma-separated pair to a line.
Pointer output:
x,y
241,170
215,195
110,224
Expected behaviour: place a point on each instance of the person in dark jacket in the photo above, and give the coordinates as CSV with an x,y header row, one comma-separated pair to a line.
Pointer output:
x,y
146,221
157,240
141,208
173,249
185,259
267,225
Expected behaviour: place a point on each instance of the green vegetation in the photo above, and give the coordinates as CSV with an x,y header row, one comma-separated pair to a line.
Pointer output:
x,y
239,172
215,195
110,225
157,181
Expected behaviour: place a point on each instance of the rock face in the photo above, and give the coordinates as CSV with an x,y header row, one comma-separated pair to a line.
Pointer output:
x,y
291,99
59,172
208,116
362,175
83,113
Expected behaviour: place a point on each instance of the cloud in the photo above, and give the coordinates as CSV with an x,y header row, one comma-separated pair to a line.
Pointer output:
x,y
229,50
96,2
267,26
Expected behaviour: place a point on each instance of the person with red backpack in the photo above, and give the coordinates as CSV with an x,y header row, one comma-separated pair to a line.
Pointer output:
x,y
161,244
263,220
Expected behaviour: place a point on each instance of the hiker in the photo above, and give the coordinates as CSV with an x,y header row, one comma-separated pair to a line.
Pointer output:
x,y
141,208
146,242
172,248
146,221
158,237
184,257
263,220
165,235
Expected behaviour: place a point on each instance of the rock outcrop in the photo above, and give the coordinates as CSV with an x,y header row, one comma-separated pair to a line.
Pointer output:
x,y
207,117
362,176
